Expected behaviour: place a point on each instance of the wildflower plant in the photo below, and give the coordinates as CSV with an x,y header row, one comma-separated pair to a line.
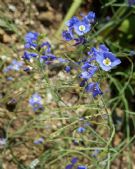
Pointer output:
x,y
68,100
90,64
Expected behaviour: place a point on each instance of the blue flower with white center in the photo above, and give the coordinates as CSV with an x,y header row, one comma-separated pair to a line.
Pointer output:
x,y
81,130
30,40
67,35
15,65
36,102
82,28
81,167
94,89
70,23
107,60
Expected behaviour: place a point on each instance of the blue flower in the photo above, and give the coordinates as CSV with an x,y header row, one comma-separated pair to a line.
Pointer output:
x,y
74,160
93,88
81,40
28,55
81,130
30,40
103,48
39,141
67,69
15,65
67,35
92,51
90,17
82,28
88,71
48,58
36,102
82,84
69,166
31,36
70,23
27,69
85,75
86,66
107,60
81,167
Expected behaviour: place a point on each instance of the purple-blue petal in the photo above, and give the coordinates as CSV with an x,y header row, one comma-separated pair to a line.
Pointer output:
x,y
69,166
81,167
74,160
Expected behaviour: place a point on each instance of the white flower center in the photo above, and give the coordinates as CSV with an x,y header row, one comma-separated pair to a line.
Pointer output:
x,y
82,28
107,62
35,99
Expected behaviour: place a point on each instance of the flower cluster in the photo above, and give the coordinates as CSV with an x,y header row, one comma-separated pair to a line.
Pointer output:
x,y
97,58
37,49
36,102
88,66
77,28
73,162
